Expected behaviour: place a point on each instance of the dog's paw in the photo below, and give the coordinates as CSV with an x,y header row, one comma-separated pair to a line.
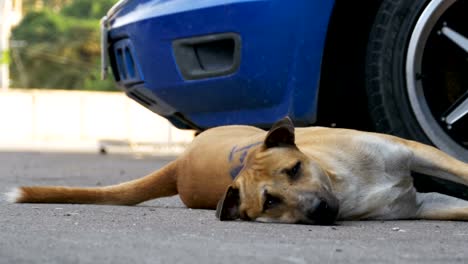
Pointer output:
x,y
14,195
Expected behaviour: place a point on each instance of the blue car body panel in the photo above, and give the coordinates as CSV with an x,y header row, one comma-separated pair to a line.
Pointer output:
x,y
282,44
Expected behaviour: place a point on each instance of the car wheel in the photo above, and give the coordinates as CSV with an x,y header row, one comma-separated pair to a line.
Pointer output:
x,y
417,72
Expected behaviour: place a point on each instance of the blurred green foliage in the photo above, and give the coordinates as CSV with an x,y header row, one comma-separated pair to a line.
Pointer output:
x,y
88,8
61,47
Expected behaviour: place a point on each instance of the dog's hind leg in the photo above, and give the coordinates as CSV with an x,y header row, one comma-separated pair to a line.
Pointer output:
x,y
436,206
432,161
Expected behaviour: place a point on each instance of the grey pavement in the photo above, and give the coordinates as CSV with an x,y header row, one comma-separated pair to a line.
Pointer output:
x,y
164,231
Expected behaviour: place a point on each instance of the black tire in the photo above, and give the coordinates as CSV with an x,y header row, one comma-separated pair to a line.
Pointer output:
x,y
388,90
388,101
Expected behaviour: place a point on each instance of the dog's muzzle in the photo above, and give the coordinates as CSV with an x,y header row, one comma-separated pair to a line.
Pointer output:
x,y
324,211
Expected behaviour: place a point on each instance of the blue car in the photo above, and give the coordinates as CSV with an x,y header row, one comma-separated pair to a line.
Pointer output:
x,y
392,66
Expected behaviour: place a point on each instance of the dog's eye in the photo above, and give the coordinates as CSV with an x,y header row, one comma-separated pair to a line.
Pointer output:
x,y
294,172
270,201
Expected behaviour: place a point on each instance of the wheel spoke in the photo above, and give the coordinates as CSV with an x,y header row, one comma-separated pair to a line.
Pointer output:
x,y
458,112
455,37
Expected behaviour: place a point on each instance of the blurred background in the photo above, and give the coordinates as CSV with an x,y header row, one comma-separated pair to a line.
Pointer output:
x,y
51,94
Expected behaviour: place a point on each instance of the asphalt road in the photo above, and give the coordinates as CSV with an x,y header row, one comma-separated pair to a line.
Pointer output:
x,y
164,231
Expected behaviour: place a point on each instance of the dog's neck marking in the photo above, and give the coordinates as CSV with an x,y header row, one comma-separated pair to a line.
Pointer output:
x,y
244,151
243,154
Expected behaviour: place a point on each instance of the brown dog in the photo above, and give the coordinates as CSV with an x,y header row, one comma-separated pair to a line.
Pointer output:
x,y
314,175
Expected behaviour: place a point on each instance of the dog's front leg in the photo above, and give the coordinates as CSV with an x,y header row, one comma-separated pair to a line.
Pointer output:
x,y
436,206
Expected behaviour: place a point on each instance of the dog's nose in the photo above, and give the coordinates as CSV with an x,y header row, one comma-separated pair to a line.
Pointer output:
x,y
325,213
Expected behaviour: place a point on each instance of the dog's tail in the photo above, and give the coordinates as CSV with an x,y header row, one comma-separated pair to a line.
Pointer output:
x,y
157,184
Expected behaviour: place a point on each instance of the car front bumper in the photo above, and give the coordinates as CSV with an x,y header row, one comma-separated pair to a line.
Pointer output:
x,y
279,45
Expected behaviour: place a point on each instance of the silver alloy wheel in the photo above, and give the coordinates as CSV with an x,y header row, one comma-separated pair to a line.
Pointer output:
x,y
426,25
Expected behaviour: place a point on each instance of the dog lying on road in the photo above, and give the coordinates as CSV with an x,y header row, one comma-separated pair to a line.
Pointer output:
x,y
312,175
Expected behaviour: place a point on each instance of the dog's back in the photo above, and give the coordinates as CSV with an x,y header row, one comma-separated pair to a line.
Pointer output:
x,y
199,176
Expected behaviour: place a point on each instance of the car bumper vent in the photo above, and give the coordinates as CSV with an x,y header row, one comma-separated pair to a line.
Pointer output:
x,y
208,56
126,68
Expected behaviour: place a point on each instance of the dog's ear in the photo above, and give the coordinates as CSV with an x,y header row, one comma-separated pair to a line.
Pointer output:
x,y
228,206
281,134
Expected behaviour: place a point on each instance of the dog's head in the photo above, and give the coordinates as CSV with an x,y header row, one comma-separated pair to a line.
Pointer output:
x,y
280,184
